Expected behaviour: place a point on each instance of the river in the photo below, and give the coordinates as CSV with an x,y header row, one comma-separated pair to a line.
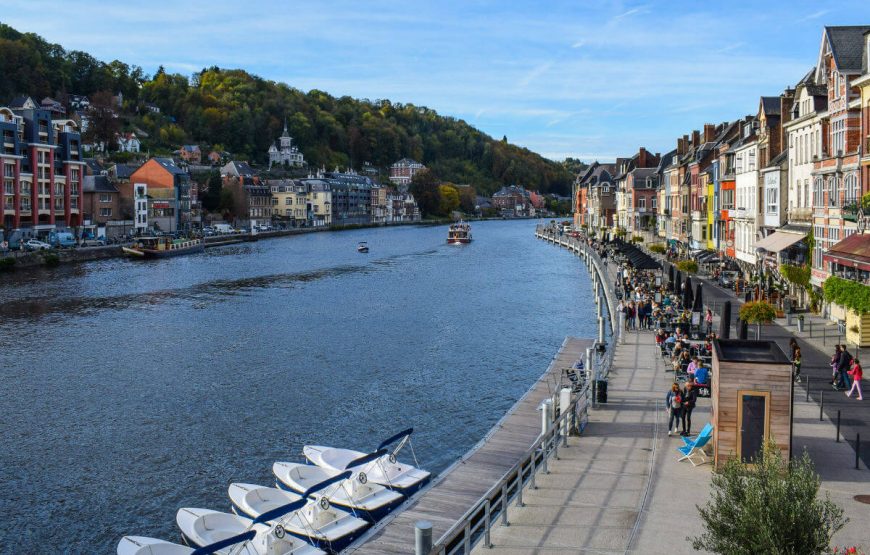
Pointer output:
x,y
133,388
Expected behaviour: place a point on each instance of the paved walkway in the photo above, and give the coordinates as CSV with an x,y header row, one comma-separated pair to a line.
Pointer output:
x,y
613,490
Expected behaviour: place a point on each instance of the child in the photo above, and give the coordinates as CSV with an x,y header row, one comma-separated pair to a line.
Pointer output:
x,y
857,374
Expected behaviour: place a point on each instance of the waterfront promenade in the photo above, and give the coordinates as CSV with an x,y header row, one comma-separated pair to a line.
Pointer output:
x,y
459,487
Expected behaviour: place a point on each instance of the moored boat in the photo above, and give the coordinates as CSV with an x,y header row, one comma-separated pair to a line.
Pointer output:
x,y
140,545
362,247
163,247
315,520
459,233
356,494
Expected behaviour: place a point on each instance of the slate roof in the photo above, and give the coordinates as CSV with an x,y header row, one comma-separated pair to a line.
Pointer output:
x,y
770,105
242,169
97,184
667,159
847,45
124,171
169,165
778,159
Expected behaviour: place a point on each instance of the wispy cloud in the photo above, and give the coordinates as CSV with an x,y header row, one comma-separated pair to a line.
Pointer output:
x,y
814,15
578,43
535,73
633,11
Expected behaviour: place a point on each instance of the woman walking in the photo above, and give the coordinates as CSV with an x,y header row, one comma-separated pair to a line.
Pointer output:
x,y
674,403
708,321
857,374
796,364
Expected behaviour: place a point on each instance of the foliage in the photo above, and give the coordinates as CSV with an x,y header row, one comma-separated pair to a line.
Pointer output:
x,y
7,264
688,266
797,275
448,200
768,507
851,294
245,113
636,239
620,232
50,259
865,201
658,248
212,198
104,123
758,312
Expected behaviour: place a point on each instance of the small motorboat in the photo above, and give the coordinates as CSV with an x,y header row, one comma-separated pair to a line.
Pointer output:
x,y
313,518
202,527
140,545
356,494
380,466
362,247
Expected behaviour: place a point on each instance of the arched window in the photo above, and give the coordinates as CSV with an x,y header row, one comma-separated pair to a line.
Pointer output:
x,y
818,184
850,183
833,191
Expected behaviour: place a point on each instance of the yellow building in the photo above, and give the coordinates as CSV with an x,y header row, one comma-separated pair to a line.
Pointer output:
x,y
710,204
301,202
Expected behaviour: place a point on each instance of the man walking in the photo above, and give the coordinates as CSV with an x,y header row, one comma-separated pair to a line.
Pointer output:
x,y
843,366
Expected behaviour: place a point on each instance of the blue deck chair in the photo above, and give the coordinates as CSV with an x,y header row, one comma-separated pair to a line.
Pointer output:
x,y
695,448
707,430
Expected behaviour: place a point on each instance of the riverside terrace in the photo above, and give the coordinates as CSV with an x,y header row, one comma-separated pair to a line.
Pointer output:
x,y
624,489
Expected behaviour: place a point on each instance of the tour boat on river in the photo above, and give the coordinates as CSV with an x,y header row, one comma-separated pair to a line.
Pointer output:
x,y
459,233
163,247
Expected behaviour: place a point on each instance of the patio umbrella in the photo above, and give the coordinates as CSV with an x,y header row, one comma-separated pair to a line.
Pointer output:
x,y
688,297
725,321
698,306
678,279
670,275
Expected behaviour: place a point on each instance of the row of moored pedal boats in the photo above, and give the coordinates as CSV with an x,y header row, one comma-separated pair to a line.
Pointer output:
x,y
319,507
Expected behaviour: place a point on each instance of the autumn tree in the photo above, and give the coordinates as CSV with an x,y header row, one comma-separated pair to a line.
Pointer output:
x,y
103,122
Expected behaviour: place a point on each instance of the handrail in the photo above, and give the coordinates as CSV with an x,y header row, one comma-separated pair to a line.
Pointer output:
x,y
476,523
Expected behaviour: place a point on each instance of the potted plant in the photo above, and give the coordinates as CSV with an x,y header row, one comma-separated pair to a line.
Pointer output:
x,y
758,312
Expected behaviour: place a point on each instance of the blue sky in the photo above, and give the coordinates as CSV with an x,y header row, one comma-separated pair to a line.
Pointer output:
x,y
586,79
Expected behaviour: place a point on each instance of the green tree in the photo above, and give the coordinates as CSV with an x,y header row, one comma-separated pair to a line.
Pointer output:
x,y
424,187
769,507
758,312
211,201
448,199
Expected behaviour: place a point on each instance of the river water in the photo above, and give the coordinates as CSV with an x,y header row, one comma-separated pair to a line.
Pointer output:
x,y
129,389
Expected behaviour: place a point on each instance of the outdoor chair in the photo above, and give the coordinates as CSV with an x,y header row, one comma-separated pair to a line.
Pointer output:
x,y
694,448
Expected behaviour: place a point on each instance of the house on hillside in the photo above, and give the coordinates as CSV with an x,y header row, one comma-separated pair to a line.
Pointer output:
x,y
128,142
403,171
190,154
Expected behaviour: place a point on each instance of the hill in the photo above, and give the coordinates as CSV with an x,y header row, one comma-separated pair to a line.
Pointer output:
x,y
232,110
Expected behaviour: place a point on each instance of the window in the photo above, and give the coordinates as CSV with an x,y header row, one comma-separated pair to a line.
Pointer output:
x,y
288,201
641,203
818,184
833,191
772,198
105,212
751,160
838,136
850,183
654,203
105,197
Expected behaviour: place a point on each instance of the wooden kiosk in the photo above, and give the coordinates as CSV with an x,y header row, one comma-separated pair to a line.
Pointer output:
x,y
752,399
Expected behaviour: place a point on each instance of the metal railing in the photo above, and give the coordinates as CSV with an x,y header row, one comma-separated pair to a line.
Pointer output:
x,y
491,509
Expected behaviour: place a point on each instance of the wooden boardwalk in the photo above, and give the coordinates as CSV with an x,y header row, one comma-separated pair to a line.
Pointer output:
x,y
453,492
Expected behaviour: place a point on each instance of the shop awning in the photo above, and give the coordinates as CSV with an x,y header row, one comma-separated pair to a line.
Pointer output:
x,y
853,251
779,240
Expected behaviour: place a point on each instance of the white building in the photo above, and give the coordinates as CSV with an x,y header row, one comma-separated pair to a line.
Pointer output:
x,y
285,152
140,207
746,193
804,133
128,142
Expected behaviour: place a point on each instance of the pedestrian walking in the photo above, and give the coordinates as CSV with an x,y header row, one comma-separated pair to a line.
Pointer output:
x,y
835,360
690,397
857,374
843,366
796,365
708,321
674,406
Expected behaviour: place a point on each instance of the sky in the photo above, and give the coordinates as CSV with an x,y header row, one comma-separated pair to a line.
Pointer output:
x,y
584,79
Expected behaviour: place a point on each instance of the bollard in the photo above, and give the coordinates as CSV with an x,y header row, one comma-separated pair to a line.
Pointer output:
x,y
821,404
838,426
504,520
808,390
545,408
422,537
564,404
600,329
857,450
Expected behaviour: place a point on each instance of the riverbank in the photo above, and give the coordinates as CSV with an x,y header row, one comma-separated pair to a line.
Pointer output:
x,y
56,257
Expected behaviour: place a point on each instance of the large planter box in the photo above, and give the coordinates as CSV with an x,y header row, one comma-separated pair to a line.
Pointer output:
x,y
862,337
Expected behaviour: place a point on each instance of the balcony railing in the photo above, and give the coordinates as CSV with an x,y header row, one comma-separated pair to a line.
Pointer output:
x,y
800,214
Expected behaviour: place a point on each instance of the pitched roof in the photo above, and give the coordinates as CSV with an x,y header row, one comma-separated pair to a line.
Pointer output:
x,y
847,45
124,171
97,184
242,169
770,105
169,165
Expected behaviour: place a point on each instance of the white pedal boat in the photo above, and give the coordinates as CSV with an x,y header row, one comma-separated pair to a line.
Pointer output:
x,y
201,527
357,494
141,545
315,520
385,470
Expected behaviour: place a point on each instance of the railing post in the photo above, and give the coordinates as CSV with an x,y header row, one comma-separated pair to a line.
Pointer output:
x,y
838,426
821,404
486,516
555,439
520,486
423,537
533,472
466,540
504,519
544,454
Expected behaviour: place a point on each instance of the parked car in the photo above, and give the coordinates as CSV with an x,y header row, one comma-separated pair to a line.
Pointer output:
x,y
36,245
93,243
727,279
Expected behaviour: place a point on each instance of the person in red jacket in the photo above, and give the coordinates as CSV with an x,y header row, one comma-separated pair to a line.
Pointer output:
x,y
857,374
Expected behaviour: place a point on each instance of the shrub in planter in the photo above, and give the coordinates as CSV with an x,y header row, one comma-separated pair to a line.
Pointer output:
x,y
658,248
687,266
636,239
758,312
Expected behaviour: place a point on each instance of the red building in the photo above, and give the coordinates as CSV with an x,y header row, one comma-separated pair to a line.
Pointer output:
x,y
42,168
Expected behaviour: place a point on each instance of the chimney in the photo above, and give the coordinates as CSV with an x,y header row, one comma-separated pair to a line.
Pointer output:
x,y
681,149
709,132
641,158
696,138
